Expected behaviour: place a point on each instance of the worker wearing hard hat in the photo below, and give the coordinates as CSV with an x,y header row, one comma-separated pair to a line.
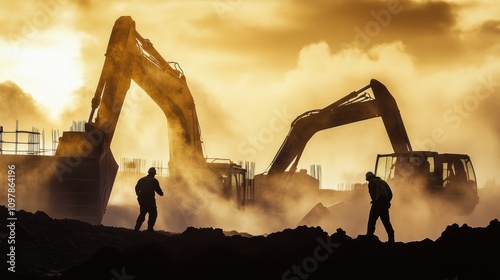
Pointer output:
x,y
145,189
381,196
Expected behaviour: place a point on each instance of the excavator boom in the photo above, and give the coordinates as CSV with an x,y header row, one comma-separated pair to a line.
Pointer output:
x,y
354,107
130,57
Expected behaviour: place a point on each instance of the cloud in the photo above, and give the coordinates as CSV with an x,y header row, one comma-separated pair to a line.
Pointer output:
x,y
336,22
15,104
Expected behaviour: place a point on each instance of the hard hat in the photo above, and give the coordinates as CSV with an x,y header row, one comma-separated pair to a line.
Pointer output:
x,y
369,175
152,170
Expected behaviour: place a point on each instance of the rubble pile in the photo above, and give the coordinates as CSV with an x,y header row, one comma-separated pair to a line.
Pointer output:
x,y
48,248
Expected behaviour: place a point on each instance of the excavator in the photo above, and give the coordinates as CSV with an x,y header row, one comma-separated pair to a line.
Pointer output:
x,y
130,57
447,178
77,181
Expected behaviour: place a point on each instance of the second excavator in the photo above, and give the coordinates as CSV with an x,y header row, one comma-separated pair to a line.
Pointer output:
x,y
449,178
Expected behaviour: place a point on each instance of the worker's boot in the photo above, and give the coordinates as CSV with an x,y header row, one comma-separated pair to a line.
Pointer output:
x,y
391,237
139,221
152,219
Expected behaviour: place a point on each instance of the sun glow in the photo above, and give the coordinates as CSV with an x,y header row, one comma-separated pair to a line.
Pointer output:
x,y
47,66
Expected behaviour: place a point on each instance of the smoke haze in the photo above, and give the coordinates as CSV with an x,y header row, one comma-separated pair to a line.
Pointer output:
x,y
252,67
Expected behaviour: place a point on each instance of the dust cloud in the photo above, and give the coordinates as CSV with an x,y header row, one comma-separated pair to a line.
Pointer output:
x,y
415,214
31,172
190,203
15,104
238,92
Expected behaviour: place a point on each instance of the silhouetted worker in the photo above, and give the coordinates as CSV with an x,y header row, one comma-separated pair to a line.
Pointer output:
x,y
381,196
145,190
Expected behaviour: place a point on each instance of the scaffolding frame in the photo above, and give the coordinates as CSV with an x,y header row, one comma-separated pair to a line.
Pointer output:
x,y
26,142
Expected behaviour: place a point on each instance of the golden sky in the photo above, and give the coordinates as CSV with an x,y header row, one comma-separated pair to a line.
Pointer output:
x,y
253,66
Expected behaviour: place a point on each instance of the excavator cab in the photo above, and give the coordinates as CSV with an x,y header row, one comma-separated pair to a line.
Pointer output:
x,y
232,178
450,177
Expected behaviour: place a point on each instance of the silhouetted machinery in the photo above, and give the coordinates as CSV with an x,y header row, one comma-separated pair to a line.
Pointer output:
x,y
131,57
77,181
449,178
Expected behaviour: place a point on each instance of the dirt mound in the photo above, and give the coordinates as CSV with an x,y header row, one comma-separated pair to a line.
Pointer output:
x,y
67,249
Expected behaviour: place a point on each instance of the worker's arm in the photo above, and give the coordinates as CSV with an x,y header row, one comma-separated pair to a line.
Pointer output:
x,y
158,189
137,189
389,191
372,189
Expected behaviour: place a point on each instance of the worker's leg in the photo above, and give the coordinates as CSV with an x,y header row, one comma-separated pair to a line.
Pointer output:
x,y
153,213
140,220
372,219
384,216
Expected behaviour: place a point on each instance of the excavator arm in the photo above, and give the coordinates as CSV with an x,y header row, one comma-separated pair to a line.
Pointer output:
x,y
354,107
84,166
131,57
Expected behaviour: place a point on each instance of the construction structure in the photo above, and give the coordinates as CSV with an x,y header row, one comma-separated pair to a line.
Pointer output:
x,y
26,142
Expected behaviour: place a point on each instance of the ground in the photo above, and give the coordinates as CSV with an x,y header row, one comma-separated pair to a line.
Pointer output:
x,y
48,248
